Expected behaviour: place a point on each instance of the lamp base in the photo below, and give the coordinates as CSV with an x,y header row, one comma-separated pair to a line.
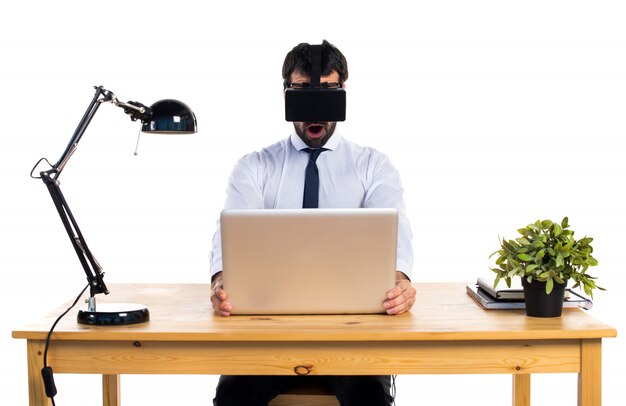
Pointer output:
x,y
114,314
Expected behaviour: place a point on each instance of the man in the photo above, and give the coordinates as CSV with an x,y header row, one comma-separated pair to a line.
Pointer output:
x,y
349,176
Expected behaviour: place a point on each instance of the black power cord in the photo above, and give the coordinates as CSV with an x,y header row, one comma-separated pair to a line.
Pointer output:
x,y
46,371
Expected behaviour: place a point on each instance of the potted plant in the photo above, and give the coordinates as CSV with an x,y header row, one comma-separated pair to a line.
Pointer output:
x,y
546,256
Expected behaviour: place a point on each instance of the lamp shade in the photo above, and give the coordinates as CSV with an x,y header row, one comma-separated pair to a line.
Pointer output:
x,y
170,116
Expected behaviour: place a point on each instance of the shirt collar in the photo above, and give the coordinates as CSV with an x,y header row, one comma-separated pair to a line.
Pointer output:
x,y
331,144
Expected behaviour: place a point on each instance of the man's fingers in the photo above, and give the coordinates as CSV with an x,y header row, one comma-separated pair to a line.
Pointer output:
x,y
402,288
401,307
220,305
221,294
223,308
401,298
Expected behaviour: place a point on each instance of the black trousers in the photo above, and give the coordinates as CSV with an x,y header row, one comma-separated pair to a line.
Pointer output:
x,y
259,390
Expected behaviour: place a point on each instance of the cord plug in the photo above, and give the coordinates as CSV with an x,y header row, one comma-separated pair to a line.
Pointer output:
x,y
48,382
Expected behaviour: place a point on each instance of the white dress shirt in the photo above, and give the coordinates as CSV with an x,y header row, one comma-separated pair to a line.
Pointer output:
x,y
350,176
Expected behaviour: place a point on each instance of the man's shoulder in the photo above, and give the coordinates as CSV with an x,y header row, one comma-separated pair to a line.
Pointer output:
x,y
361,150
277,148
271,152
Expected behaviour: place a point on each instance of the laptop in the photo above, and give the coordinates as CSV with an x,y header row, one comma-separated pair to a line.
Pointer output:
x,y
309,261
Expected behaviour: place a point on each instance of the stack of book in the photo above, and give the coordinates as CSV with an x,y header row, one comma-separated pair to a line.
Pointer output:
x,y
504,297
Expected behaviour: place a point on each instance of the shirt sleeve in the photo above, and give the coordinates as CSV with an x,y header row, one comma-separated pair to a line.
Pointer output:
x,y
384,190
244,191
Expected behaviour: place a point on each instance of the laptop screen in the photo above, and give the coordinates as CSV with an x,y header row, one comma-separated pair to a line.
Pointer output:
x,y
308,261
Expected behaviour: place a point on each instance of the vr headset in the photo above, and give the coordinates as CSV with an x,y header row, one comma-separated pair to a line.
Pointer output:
x,y
315,104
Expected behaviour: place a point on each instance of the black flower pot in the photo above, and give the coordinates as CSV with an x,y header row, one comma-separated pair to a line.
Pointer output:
x,y
541,304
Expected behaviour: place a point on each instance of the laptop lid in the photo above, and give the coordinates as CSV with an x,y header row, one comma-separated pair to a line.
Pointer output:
x,y
308,261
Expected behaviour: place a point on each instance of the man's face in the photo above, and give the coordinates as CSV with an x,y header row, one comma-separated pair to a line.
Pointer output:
x,y
314,134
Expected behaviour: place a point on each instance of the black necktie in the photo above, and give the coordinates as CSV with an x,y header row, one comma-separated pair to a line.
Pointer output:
x,y
311,180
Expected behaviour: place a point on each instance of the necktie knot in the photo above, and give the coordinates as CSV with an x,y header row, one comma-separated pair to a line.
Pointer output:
x,y
314,153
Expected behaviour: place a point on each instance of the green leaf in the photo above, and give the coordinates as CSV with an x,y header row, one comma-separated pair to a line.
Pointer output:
x,y
525,257
559,260
508,247
549,285
495,283
569,244
537,244
531,267
535,227
564,222
557,230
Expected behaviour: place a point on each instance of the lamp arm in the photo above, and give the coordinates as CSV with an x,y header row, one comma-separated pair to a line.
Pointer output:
x,y
50,177
92,269
135,110
82,126
90,265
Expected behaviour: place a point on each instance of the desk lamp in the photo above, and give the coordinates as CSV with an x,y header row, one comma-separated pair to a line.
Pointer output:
x,y
165,116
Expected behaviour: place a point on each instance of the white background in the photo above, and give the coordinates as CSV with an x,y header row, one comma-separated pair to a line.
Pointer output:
x,y
497,113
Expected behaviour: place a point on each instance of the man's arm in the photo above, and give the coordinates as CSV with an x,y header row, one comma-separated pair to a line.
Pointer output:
x,y
243,192
384,190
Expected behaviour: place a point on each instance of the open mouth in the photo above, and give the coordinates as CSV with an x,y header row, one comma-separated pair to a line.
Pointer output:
x,y
315,130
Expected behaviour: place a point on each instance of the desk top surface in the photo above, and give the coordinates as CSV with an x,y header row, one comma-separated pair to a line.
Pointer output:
x,y
443,311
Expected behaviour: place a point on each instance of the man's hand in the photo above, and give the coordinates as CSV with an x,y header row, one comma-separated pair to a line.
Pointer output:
x,y
219,297
401,298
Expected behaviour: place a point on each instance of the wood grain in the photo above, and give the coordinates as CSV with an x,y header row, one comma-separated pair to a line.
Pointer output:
x,y
521,390
311,358
445,333
304,400
590,376
441,312
36,390
111,391
305,395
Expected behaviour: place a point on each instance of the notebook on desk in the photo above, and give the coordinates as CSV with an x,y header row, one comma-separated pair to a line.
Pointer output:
x,y
308,261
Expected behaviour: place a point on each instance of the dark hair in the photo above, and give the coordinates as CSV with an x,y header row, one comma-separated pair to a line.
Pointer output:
x,y
299,59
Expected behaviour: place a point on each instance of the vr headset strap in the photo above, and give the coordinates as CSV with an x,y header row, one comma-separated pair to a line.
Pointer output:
x,y
316,65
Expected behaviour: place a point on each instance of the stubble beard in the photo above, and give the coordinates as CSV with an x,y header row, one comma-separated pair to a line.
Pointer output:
x,y
301,130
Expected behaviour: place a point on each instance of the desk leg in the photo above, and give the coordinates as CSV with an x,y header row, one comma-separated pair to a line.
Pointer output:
x,y
36,391
590,376
521,390
111,390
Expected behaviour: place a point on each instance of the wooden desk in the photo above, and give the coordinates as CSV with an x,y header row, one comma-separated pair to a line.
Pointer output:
x,y
446,333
